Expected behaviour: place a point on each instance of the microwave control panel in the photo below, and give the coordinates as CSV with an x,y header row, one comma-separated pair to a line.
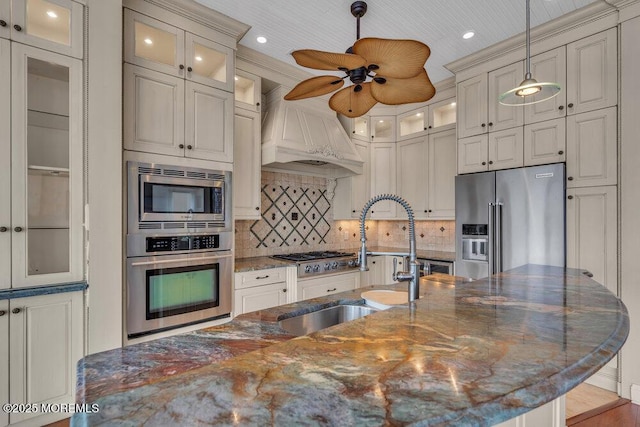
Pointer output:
x,y
182,243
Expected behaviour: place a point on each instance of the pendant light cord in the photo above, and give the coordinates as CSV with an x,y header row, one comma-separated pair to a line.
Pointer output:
x,y
528,42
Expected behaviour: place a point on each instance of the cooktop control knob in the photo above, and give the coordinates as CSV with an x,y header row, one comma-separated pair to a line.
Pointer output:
x,y
316,267
334,265
307,269
327,266
351,263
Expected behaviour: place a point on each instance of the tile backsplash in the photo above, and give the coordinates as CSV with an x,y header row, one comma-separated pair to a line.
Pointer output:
x,y
297,216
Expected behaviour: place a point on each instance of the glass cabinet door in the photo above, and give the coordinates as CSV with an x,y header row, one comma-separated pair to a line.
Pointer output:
x,y
412,124
46,174
54,25
361,128
209,63
442,115
383,129
248,88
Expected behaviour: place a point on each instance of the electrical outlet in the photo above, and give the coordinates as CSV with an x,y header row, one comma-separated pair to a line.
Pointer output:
x,y
294,216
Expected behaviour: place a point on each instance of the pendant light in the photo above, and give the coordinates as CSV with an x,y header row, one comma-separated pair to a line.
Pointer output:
x,y
529,91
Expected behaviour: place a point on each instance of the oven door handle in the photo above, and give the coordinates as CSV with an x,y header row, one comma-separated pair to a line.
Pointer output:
x,y
174,260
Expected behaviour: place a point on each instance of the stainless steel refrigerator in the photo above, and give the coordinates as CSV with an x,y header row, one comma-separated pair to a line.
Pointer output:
x,y
508,218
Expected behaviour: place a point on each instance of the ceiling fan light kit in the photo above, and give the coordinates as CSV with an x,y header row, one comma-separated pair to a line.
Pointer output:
x,y
382,70
529,91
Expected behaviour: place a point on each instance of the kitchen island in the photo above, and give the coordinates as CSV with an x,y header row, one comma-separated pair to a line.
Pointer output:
x,y
466,353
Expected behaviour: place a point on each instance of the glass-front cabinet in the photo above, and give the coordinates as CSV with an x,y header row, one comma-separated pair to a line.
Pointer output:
x,y
162,47
435,117
413,123
46,169
54,25
383,128
248,88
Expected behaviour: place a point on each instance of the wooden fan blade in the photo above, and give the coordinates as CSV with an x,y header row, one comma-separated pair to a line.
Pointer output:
x,y
314,86
327,60
352,104
404,91
400,59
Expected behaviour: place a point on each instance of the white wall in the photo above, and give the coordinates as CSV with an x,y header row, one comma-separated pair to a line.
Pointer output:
x,y
105,175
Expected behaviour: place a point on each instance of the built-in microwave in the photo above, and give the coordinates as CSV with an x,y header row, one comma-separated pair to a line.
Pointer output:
x,y
161,198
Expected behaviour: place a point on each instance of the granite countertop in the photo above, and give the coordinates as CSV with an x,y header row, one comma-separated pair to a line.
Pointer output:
x,y
466,353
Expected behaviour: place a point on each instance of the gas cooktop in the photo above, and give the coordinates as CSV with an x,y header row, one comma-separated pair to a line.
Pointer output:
x,y
320,262
312,256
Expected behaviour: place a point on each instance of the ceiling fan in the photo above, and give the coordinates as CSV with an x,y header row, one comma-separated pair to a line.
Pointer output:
x,y
382,70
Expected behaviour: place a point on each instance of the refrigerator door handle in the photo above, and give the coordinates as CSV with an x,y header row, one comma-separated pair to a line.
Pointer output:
x,y
491,249
498,237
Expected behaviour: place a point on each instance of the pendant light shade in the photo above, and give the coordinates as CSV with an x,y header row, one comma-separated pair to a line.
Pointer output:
x,y
529,91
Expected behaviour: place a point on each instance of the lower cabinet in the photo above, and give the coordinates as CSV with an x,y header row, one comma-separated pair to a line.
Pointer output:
x,y
260,289
375,274
551,414
327,285
45,341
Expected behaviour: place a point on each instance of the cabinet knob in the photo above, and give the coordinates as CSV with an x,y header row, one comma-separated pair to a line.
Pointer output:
x,y
483,125
490,123
17,27
561,107
353,131
426,128
16,310
570,105
17,229
484,163
490,162
353,211
373,136
561,152
430,211
189,147
180,145
257,208
181,66
257,104
2,312
425,211
430,126
284,290
570,178
570,197
189,69
3,229
3,23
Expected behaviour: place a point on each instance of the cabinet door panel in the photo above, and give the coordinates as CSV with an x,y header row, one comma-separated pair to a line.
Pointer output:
x,y
549,66
247,90
152,108
506,149
383,178
209,63
592,148
259,298
5,164
4,358
328,285
500,81
360,190
412,124
592,72
46,343
413,174
472,106
473,154
442,172
209,128
246,164
383,129
544,142
592,233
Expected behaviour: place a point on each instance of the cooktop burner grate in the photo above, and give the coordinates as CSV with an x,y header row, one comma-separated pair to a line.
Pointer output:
x,y
310,256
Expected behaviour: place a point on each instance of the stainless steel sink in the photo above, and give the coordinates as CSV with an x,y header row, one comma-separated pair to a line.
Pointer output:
x,y
314,321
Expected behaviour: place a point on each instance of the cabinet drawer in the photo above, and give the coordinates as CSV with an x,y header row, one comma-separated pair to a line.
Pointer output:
x,y
328,285
249,279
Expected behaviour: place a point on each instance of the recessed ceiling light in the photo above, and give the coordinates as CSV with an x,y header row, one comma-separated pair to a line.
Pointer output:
x,y
468,35
148,41
52,14
198,58
261,39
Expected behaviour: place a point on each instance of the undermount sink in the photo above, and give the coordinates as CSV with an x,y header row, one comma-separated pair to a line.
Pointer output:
x,y
316,320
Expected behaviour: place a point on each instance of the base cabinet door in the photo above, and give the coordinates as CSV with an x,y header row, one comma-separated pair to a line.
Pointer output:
x,y
327,285
551,414
259,298
375,274
45,343
4,359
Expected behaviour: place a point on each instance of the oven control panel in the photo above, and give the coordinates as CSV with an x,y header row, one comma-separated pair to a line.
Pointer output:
x,y
182,243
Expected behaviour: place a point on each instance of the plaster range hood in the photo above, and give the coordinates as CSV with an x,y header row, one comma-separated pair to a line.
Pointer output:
x,y
305,137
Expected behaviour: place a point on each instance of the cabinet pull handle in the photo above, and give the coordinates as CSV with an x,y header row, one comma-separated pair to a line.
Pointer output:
x,y
561,107
570,105
189,147
2,312
3,23
570,197
587,273
17,229
181,146
3,229
262,277
561,152
181,66
189,69
332,290
17,27
484,163
570,178
16,310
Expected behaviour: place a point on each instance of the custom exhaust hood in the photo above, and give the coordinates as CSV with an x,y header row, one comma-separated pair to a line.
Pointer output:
x,y
305,137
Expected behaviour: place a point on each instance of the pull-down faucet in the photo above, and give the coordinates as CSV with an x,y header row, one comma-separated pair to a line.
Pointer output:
x,y
411,276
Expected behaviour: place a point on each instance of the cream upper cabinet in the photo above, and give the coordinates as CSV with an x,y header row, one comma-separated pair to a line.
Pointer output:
x,y
383,128
592,72
500,81
442,115
442,172
473,154
592,148
5,165
361,128
549,66
592,233
157,45
545,142
246,164
383,178
353,192
472,106
248,89
413,123
413,175
436,117
46,168
54,25
506,149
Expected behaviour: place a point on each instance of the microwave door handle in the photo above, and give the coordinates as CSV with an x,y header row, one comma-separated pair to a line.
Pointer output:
x,y
491,211
498,236
174,260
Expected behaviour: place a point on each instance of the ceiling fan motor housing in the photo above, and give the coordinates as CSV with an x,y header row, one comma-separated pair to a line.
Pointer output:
x,y
358,8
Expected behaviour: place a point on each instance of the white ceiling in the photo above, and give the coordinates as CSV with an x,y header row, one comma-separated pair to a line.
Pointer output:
x,y
328,24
